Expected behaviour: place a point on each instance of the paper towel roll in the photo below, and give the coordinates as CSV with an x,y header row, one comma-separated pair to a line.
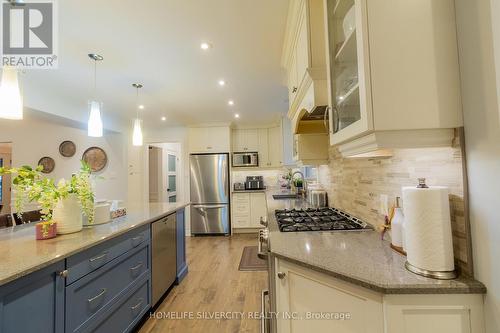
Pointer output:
x,y
428,239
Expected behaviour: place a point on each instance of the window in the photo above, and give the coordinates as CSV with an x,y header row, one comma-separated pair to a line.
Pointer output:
x,y
310,173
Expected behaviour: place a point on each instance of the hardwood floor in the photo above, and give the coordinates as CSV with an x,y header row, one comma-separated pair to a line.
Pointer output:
x,y
213,285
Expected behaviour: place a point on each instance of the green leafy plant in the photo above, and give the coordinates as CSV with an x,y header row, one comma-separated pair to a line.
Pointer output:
x,y
30,185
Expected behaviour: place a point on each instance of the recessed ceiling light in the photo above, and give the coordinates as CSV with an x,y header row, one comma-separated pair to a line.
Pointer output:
x,y
163,118
230,102
205,46
222,83
141,107
236,115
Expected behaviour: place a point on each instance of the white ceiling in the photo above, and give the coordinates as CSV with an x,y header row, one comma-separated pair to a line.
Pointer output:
x,y
157,43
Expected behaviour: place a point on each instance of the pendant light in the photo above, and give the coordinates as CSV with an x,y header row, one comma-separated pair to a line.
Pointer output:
x,y
137,139
11,102
95,107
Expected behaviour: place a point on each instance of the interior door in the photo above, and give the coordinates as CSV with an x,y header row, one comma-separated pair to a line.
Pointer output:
x,y
172,160
155,173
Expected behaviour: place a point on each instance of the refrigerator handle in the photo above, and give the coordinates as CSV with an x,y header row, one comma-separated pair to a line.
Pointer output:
x,y
209,207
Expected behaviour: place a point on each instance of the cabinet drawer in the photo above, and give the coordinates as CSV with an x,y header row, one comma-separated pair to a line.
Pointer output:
x,y
241,198
241,209
86,262
125,317
241,222
89,296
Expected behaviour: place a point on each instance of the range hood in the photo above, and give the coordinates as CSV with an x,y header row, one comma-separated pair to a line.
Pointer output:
x,y
311,102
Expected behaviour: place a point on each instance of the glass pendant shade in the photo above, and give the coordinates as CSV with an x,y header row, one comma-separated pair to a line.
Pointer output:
x,y
11,103
95,121
137,133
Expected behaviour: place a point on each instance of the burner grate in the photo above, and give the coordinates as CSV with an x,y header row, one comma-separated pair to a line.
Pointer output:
x,y
318,219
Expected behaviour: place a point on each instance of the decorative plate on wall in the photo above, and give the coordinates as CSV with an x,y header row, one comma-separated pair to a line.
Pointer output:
x,y
48,164
67,148
96,157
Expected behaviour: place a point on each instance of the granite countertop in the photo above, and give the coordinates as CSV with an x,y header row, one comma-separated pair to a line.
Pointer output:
x,y
358,257
21,254
250,191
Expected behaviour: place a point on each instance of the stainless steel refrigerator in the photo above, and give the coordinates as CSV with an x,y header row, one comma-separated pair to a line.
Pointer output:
x,y
209,193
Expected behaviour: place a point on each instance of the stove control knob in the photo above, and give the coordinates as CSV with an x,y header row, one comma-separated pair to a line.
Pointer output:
x,y
263,222
281,275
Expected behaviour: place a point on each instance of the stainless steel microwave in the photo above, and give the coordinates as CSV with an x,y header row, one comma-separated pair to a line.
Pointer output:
x,y
246,159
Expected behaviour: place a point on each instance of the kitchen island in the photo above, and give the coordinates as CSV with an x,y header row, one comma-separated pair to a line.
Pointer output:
x,y
98,279
358,272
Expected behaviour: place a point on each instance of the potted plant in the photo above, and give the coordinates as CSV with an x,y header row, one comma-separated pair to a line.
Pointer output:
x,y
62,203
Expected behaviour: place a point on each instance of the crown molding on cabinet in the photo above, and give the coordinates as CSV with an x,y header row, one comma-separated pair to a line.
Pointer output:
x,y
380,143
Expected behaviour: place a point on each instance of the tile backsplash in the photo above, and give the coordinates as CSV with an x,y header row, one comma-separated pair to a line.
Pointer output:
x,y
356,184
271,176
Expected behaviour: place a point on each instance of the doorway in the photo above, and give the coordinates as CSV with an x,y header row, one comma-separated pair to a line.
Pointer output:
x,y
5,181
164,165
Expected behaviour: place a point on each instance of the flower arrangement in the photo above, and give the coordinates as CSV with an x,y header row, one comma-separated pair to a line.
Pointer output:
x,y
30,185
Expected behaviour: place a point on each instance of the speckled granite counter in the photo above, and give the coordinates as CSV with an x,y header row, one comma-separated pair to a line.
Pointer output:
x,y
21,254
360,257
250,191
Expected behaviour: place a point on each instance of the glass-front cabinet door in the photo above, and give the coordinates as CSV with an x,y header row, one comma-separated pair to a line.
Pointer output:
x,y
172,177
348,67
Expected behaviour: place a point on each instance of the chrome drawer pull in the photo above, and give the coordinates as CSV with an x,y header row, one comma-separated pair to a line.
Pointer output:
x,y
103,291
137,240
99,257
137,305
139,265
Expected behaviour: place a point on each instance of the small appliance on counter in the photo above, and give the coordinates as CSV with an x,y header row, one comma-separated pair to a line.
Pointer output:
x,y
427,227
247,159
239,186
318,198
254,183
102,213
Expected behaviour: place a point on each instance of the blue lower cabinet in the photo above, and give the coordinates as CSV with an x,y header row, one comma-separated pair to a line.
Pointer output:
x,y
89,298
182,267
126,316
34,303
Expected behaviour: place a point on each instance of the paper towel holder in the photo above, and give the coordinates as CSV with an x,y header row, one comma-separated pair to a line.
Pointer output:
x,y
440,275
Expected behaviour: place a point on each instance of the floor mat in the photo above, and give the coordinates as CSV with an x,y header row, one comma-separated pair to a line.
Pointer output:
x,y
250,261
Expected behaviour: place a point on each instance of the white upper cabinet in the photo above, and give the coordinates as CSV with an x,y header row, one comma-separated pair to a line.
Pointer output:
x,y
246,140
268,142
209,139
304,58
393,79
275,138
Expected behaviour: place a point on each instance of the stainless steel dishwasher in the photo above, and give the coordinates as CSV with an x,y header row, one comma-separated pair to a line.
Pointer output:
x,y
164,256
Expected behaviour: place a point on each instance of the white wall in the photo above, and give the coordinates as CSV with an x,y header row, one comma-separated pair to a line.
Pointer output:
x,y
35,138
482,130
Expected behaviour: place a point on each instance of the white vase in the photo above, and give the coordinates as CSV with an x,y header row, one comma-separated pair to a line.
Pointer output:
x,y
68,215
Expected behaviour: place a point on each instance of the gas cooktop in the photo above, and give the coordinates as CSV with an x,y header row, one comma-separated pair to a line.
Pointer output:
x,y
318,219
